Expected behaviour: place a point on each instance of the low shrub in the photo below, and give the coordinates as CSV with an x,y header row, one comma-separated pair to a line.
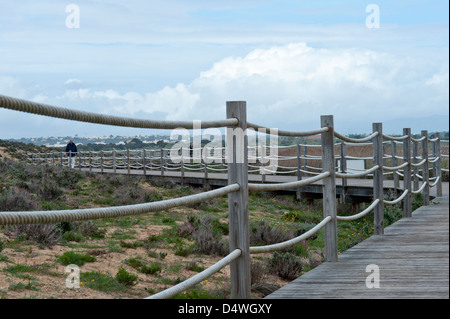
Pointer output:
x,y
126,278
17,199
261,233
101,282
151,269
285,265
70,257
43,234
208,242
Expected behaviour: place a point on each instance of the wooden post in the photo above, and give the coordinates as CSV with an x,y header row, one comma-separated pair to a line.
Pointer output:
x,y
263,161
299,167
114,161
407,209
426,172
237,158
415,161
79,160
128,161
162,162
438,164
329,188
182,167
205,159
151,162
384,159
144,161
394,163
305,161
343,153
378,192
90,161
101,161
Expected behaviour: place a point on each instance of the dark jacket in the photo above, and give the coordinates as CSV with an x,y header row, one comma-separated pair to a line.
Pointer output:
x,y
71,148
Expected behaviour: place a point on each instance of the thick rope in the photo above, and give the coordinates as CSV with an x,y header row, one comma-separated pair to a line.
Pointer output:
x,y
286,133
355,140
56,216
81,116
188,283
288,185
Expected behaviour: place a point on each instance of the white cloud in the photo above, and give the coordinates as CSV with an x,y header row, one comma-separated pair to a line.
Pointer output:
x,y
288,87
293,85
70,81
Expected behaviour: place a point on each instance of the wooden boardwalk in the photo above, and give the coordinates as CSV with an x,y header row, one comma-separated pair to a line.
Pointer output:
x,y
412,257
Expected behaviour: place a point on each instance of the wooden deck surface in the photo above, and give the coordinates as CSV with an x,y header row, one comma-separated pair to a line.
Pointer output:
x,y
412,257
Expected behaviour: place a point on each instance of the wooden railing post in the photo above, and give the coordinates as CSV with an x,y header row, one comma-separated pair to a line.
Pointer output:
x,y
263,161
205,159
426,172
115,161
101,161
237,158
162,162
438,164
128,161
415,161
407,208
343,153
182,166
378,192
90,161
329,188
299,173
144,161
395,163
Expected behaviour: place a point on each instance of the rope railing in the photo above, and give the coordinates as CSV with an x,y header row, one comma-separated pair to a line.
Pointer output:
x,y
287,133
420,189
291,242
398,200
355,140
71,215
361,214
288,185
364,173
238,186
95,118
191,282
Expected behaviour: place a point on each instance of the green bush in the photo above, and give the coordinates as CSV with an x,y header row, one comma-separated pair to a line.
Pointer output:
x,y
285,265
151,269
70,257
126,278
101,282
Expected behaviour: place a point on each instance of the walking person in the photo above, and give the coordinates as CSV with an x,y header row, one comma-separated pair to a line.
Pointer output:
x,y
71,151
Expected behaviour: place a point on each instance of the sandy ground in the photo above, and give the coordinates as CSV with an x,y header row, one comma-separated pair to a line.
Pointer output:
x,y
52,282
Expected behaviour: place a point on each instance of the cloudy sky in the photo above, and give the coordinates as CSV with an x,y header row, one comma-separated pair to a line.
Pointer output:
x,y
292,61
